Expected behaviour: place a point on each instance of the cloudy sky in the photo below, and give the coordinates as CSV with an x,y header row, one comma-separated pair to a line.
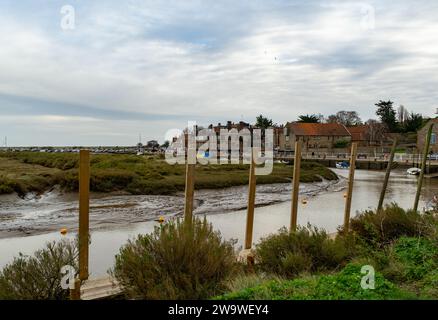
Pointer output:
x,y
130,67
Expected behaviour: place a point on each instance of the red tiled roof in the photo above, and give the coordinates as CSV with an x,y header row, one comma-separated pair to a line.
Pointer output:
x,y
358,133
319,129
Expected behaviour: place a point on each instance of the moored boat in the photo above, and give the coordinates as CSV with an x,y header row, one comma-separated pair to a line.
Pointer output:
x,y
413,171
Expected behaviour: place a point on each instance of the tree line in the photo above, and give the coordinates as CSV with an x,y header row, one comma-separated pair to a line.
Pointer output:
x,y
400,120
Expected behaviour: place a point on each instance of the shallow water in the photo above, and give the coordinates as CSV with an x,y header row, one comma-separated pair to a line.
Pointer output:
x,y
225,208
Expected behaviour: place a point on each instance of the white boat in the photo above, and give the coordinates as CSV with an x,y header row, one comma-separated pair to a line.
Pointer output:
x,y
413,171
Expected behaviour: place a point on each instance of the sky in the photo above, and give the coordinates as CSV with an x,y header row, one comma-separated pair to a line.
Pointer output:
x,y
102,72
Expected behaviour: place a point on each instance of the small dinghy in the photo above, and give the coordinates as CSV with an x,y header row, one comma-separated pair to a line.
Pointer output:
x,y
413,171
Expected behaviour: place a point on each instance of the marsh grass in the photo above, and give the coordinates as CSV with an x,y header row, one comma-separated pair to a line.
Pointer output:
x,y
24,172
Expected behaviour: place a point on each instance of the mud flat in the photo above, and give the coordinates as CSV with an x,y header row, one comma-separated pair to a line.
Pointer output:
x,y
54,210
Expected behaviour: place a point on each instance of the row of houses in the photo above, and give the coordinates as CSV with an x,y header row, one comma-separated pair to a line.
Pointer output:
x,y
321,137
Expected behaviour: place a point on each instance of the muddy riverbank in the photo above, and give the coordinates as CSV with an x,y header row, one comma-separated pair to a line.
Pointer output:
x,y
54,210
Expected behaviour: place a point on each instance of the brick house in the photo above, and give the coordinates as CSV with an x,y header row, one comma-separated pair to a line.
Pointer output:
x,y
421,136
315,136
369,136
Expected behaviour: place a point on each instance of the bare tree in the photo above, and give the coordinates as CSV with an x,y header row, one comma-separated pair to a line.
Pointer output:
x,y
347,118
402,114
376,131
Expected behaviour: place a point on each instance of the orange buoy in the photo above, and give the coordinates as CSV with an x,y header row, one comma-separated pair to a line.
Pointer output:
x,y
161,219
63,231
345,195
304,201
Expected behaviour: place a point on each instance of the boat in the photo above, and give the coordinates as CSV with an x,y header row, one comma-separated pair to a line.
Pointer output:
x,y
413,171
342,165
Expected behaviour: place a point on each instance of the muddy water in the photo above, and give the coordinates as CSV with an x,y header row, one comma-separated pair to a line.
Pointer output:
x,y
26,224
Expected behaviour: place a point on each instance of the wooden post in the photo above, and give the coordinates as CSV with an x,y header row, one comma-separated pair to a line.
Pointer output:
x,y
350,187
295,186
189,192
251,203
84,208
75,294
423,166
388,172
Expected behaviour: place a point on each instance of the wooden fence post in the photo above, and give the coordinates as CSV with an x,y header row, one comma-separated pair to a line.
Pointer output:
x,y
84,209
251,203
350,187
75,294
295,186
189,192
388,172
423,166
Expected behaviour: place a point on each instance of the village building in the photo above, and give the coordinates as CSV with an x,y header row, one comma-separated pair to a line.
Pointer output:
x,y
314,136
422,133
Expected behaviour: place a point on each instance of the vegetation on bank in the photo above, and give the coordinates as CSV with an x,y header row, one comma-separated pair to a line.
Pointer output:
x,y
192,261
38,277
177,261
24,172
401,246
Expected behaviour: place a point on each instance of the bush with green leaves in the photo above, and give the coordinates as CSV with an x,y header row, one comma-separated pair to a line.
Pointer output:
x,y
341,144
179,260
392,222
345,285
38,277
305,250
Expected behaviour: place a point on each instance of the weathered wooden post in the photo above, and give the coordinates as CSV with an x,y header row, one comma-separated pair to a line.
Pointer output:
x,y
251,203
75,293
350,187
84,222
189,192
295,186
388,172
84,210
423,166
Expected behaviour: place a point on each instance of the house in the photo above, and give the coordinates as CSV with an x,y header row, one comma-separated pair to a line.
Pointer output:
x,y
359,134
314,136
370,135
422,133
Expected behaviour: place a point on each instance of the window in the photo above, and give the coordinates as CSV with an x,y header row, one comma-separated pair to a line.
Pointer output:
x,y
433,138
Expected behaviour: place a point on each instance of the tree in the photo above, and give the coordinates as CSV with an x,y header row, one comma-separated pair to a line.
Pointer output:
x,y
166,144
387,114
263,122
312,118
376,131
347,118
413,122
402,114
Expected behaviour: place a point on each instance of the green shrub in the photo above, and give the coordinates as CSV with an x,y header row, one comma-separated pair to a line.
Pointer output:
x,y
429,285
392,222
418,255
305,250
341,144
38,277
176,261
345,285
